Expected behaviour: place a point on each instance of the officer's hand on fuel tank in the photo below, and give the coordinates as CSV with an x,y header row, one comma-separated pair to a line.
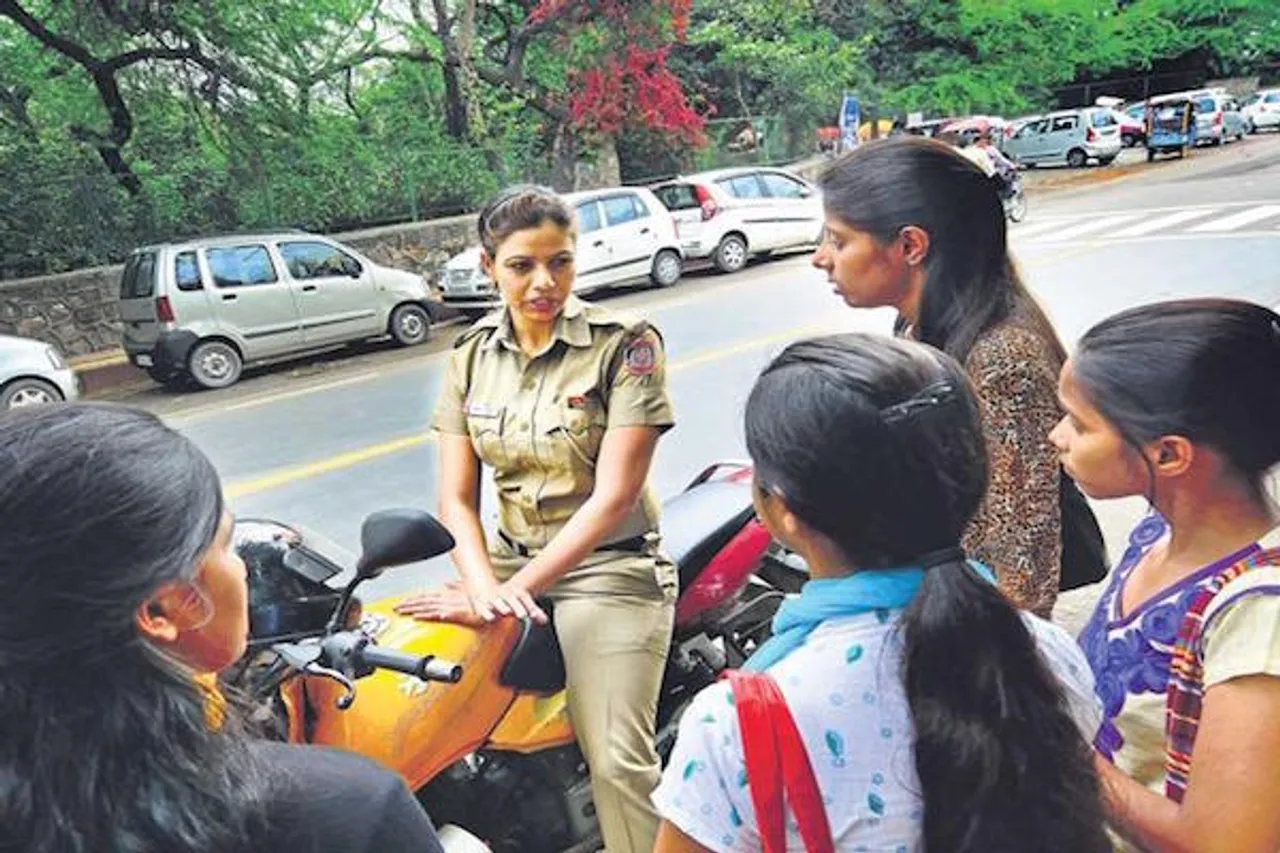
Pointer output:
x,y
508,599
450,604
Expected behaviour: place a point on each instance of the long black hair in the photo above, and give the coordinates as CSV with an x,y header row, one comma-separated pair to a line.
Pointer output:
x,y
876,444
105,743
971,282
1205,369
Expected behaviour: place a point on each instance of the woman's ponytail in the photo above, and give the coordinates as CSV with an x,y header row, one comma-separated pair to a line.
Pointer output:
x,y
877,444
999,758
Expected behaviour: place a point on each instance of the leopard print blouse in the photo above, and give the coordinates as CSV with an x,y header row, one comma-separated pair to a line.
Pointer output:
x,y
1018,528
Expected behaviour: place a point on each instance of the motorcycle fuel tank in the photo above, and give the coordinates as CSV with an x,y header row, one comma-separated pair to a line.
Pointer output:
x,y
418,729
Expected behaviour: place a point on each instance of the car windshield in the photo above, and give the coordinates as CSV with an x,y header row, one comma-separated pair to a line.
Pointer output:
x,y
1206,105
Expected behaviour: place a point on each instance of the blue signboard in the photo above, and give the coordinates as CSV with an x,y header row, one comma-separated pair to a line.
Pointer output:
x,y
850,118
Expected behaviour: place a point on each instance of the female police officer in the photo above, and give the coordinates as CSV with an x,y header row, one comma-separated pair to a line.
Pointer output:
x,y
565,401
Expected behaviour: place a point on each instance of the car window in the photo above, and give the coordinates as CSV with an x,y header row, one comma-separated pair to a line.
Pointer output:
x,y
1065,123
240,266
678,197
642,209
780,186
588,213
1273,98
314,259
1206,105
139,278
1103,120
743,186
619,209
186,272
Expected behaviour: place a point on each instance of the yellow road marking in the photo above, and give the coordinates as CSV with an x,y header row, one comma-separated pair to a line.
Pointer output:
x,y
350,459
342,461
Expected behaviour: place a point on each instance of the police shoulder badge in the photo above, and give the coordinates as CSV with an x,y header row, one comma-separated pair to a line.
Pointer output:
x,y
641,357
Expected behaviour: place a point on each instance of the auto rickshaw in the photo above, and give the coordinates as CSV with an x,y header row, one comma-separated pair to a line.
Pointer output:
x,y
1171,127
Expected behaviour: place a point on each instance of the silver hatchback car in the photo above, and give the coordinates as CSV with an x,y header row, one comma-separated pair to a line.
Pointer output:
x,y
33,372
205,308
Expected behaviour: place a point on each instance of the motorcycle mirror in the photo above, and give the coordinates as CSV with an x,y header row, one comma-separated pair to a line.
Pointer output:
x,y
394,537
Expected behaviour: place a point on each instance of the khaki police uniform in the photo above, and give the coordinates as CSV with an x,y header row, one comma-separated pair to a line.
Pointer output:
x,y
539,423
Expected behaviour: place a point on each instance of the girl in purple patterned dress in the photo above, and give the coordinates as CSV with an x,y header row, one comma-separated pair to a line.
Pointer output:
x,y
1180,402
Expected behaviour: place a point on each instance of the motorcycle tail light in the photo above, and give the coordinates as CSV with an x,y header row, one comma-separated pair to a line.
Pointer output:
x,y
727,573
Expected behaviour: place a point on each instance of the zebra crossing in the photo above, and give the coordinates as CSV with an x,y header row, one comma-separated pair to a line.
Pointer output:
x,y
1221,220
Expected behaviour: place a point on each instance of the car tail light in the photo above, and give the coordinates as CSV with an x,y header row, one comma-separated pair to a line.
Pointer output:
x,y
1217,118
707,202
164,310
1090,135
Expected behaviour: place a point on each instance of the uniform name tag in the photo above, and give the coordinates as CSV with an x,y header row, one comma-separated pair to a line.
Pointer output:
x,y
482,410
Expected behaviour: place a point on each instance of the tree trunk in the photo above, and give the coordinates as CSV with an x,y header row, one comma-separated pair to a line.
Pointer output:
x,y
455,104
564,158
602,168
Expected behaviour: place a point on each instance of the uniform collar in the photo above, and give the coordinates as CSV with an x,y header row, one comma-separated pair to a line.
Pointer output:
x,y
572,326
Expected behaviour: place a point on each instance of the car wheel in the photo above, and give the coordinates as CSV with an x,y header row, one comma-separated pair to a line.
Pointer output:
x,y
215,364
1076,158
731,254
667,268
410,325
1128,140
28,392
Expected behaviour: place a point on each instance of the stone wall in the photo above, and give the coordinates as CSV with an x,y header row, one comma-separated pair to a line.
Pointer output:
x,y
77,311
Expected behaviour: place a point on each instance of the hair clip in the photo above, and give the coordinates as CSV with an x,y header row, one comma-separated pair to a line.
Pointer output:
x,y
926,398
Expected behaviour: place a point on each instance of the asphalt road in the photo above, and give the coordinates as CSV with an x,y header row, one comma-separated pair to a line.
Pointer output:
x,y
325,441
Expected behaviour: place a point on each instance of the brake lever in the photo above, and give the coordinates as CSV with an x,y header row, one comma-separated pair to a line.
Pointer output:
x,y
343,702
298,655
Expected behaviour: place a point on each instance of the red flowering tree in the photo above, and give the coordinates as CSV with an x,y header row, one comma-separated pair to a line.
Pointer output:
x,y
615,75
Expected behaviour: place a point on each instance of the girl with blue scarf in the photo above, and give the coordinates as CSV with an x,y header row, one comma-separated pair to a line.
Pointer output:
x,y
936,717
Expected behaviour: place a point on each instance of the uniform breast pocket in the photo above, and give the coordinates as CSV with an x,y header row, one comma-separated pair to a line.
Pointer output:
x,y
485,427
577,433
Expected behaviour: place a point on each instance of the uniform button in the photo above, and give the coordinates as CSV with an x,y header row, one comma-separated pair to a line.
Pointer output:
x,y
524,426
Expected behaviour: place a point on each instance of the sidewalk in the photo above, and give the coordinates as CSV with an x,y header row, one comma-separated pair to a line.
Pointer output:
x,y
105,374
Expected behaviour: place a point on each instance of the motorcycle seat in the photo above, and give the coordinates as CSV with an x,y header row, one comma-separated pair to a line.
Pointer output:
x,y
697,524
536,664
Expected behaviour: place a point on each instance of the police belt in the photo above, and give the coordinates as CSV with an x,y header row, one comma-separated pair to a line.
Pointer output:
x,y
634,545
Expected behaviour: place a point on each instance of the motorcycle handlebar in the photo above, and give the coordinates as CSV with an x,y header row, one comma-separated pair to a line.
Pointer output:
x,y
425,667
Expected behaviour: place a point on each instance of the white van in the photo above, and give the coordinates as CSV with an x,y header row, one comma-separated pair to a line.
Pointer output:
x,y
625,236
205,308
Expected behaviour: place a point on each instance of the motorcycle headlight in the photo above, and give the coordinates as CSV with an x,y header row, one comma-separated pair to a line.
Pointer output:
x,y
55,358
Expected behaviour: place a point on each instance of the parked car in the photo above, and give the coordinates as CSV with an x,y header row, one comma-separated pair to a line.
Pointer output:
x,y
32,373
1133,129
729,215
929,128
625,236
1263,110
205,308
1218,118
1073,137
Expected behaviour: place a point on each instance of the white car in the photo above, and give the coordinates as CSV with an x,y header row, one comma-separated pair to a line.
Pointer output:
x,y
1263,110
731,214
32,373
625,236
